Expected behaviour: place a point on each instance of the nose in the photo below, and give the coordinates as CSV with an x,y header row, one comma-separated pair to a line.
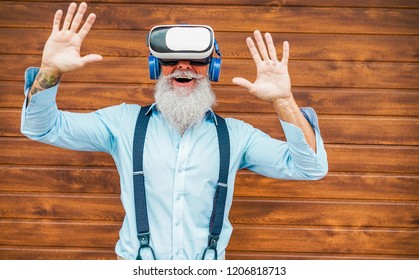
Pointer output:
x,y
184,65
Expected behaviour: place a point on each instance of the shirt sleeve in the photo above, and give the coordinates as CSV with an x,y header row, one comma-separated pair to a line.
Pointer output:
x,y
42,121
293,159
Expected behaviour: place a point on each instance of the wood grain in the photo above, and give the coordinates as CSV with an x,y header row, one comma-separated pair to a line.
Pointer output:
x,y
326,101
334,129
326,240
338,186
225,18
352,74
74,253
258,255
131,43
245,211
55,253
308,3
265,238
368,158
61,207
355,63
325,213
59,233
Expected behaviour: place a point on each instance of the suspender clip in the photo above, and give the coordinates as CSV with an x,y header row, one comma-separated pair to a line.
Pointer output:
x,y
212,245
144,239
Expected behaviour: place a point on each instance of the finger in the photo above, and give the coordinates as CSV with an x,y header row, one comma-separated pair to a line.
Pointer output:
x,y
87,26
271,47
91,58
70,12
243,83
261,45
79,17
285,53
253,50
57,20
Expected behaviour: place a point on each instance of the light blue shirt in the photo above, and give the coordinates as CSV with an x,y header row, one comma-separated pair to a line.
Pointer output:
x,y
181,172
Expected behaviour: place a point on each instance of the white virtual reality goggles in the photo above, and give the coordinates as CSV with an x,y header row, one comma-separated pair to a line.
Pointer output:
x,y
170,43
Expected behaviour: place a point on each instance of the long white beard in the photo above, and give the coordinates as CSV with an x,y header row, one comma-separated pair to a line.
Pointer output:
x,y
180,107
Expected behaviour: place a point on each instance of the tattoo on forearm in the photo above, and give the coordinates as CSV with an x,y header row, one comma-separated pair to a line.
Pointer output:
x,y
44,81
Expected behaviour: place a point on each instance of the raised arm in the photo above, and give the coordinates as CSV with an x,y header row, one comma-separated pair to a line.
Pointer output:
x,y
273,83
61,53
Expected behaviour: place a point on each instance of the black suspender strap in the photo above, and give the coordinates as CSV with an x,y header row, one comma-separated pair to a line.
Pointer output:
x,y
217,215
143,230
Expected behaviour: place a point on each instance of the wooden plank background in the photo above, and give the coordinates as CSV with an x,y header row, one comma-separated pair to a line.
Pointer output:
x,y
356,63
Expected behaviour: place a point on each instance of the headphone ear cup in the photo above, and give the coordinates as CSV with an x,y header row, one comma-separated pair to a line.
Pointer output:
x,y
215,69
154,67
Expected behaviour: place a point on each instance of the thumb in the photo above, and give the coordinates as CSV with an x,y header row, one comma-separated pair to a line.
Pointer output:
x,y
243,83
91,58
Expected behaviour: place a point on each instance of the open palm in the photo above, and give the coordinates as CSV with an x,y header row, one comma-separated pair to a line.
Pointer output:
x,y
272,78
62,50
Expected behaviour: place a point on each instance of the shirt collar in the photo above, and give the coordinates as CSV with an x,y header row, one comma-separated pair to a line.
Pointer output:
x,y
210,115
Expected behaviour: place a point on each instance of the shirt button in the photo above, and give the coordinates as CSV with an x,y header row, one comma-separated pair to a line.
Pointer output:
x,y
180,171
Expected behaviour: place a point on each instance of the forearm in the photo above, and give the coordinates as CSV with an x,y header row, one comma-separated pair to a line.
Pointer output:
x,y
41,120
288,111
45,79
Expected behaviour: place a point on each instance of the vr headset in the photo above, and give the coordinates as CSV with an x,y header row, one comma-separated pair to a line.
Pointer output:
x,y
170,43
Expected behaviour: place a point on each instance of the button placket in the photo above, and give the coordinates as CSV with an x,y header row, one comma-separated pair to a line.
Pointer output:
x,y
178,198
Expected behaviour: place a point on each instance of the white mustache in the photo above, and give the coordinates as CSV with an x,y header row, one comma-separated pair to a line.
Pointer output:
x,y
184,74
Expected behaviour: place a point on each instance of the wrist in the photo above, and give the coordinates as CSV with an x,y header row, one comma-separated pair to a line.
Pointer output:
x,y
283,102
47,77
50,71
285,106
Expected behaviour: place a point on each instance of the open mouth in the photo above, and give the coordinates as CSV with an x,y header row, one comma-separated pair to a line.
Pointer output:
x,y
183,80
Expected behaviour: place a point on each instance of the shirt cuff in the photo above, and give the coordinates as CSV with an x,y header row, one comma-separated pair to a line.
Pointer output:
x,y
43,99
42,109
295,135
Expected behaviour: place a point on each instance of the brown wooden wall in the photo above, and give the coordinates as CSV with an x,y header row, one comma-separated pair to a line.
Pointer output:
x,y
356,63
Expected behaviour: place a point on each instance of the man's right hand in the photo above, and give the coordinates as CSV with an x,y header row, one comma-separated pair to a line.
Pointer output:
x,y
62,50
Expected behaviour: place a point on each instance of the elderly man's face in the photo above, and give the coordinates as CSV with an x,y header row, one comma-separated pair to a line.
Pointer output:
x,y
183,80
183,94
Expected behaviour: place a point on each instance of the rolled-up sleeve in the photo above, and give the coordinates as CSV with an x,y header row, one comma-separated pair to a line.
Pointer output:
x,y
313,164
293,159
40,113
42,121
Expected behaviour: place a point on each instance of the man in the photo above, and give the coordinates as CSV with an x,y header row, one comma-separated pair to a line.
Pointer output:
x,y
181,150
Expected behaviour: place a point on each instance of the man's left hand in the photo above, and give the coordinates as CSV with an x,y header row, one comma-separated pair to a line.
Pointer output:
x,y
272,81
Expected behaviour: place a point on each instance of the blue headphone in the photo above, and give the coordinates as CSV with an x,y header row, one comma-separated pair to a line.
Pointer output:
x,y
214,69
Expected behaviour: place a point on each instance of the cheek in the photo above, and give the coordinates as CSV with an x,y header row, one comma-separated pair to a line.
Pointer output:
x,y
202,70
167,70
